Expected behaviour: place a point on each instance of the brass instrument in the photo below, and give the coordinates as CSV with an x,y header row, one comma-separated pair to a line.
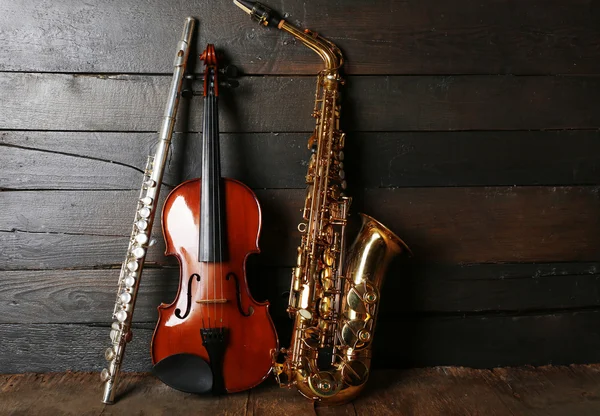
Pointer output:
x,y
131,269
333,301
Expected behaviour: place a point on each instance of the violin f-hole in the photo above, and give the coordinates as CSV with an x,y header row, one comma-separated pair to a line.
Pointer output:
x,y
239,295
189,298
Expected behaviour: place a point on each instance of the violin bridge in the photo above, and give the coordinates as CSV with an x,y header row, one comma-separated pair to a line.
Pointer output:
x,y
211,301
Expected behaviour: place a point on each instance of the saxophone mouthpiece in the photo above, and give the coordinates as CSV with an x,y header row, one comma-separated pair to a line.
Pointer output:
x,y
259,12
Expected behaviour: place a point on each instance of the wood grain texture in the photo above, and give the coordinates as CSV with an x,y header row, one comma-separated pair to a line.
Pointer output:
x,y
475,341
548,390
377,37
140,394
472,133
488,341
380,103
39,160
82,160
452,225
87,296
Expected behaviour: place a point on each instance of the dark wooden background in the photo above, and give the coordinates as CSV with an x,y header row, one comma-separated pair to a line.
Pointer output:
x,y
472,133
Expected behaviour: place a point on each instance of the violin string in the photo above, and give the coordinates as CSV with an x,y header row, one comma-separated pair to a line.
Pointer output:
x,y
218,161
214,191
203,264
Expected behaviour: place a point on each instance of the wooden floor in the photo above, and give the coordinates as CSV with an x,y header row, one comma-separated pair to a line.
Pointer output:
x,y
573,390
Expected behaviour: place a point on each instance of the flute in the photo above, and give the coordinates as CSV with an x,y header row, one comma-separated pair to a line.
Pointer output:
x,y
131,269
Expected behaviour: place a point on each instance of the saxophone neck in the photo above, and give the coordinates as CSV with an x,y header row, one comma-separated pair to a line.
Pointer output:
x,y
327,50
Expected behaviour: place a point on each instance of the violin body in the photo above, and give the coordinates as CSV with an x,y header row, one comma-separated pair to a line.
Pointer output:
x,y
215,294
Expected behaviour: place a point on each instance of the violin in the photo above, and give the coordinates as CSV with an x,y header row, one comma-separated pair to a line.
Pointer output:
x,y
214,336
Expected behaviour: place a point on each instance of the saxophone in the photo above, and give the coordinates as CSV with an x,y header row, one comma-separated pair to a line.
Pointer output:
x,y
333,300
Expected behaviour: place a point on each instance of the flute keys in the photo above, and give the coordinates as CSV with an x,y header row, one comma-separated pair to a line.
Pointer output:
x,y
133,265
109,354
125,297
138,253
141,225
144,212
141,238
129,281
121,316
147,200
105,375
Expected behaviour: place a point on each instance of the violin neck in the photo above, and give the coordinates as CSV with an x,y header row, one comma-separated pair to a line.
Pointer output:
x,y
212,246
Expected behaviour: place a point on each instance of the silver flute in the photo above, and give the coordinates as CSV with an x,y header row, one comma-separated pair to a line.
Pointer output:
x,y
131,269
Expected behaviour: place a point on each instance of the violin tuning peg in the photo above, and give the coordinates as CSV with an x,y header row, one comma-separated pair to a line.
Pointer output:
x,y
194,76
231,71
230,83
189,93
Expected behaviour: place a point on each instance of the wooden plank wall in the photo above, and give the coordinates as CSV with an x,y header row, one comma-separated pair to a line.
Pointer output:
x,y
472,133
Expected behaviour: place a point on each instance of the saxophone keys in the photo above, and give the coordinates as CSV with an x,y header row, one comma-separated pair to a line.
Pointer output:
x,y
324,384
370,297
327,234
351,334
355,300
328,257
297,279
311,141
364,335
335,192
342,142
355,373
325,307
311,336
305,315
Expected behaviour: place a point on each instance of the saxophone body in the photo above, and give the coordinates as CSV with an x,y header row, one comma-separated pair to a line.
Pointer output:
x,y
334,295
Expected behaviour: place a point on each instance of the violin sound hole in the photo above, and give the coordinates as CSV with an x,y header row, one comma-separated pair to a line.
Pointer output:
x,y
189,298
239,295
